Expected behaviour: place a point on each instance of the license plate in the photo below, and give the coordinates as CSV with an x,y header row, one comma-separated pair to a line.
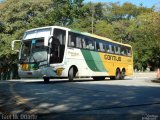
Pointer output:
x,y
29,73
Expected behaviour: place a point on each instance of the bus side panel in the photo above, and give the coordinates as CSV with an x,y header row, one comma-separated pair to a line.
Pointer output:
x,y
108,64
89,63
112,62
98,61
94,62
75,57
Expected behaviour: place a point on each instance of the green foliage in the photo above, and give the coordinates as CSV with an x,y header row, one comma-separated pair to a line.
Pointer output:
x,y
115,11
127,23
146,41
64,12
103,28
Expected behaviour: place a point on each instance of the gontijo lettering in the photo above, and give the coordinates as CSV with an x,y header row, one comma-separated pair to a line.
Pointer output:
x,y
112,57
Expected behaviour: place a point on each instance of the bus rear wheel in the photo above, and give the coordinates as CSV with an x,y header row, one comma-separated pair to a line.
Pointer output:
x,y
117,75
123,74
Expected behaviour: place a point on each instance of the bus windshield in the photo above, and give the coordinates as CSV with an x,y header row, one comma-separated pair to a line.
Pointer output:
x,y
33,51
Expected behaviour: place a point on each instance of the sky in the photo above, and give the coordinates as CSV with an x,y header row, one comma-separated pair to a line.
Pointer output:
x,y
146,3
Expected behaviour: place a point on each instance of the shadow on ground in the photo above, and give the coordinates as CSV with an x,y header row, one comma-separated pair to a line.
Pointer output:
x,y
82,99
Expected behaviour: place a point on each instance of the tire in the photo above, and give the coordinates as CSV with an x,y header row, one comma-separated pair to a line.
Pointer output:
x,y
98,78
46,79
71,74
123,74
118,75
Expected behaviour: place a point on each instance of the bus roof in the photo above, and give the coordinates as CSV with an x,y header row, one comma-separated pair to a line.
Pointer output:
x,y
83,33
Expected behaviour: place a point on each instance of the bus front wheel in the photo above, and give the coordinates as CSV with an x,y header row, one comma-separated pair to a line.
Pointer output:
x,y
72,73
46,79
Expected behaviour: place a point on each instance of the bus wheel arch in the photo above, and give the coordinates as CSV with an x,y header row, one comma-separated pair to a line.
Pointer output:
x,y
72,72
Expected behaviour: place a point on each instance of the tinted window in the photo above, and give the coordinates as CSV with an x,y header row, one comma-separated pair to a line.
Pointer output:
x,y
107,47
128,51
85,42
111,48
74,40
117,49
60,35
100,46
124,50
78,41
88,43
71,40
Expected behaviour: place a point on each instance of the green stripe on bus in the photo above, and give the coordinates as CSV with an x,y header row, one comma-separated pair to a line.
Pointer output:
x,y
89,60
98,61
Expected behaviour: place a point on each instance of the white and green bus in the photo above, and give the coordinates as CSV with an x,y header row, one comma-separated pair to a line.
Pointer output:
x,y
59,52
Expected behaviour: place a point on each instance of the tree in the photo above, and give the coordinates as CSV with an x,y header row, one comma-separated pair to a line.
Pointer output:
x,y
64,12
16,16
146,41
127,11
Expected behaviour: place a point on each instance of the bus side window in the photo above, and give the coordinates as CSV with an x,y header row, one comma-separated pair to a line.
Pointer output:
x,y
107,47
100,46
123,50
128,51
111,48
83,43
117,49
89,43
78,41
97,46
71,40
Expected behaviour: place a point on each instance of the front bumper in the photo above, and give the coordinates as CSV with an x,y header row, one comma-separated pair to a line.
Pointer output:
x,y
47,72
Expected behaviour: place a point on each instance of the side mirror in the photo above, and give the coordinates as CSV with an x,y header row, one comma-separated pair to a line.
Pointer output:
x,y
13,45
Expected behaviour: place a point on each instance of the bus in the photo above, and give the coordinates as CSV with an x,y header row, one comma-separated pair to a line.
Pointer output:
x,y
59,52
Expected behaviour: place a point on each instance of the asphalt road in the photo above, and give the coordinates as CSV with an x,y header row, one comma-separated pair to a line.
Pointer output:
x,y
136,97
